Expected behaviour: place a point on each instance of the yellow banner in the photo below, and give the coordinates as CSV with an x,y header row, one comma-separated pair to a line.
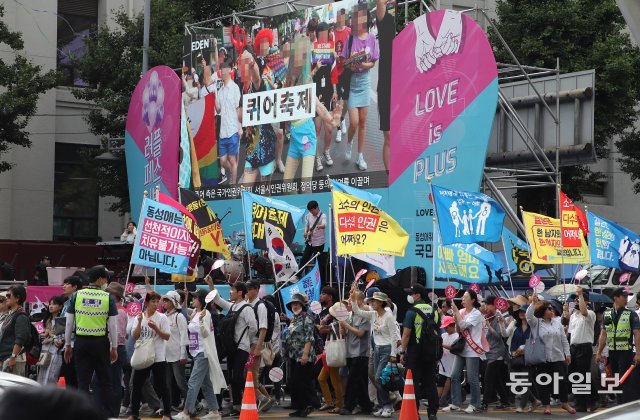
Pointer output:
x,y
543,234
181,278
361,227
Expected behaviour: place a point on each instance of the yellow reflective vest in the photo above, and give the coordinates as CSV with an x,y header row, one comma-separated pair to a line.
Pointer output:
x,y
91,312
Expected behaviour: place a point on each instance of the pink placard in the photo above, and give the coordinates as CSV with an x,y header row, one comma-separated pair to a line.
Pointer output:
x,y
42,293
450,292
134,308
534,280
128,289
624,277
501,304
39,326
475,287
360,273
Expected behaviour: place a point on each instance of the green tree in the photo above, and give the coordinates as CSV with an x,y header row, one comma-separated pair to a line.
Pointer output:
x,y
21,84
584,34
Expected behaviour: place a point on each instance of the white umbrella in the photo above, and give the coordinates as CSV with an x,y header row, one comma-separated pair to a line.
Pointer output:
x,y
561,289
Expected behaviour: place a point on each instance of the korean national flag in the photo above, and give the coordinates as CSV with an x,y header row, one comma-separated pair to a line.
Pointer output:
x,y
467,217
283,260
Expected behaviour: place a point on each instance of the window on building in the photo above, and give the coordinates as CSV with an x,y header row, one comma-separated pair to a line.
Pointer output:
x,y
75,196
76,20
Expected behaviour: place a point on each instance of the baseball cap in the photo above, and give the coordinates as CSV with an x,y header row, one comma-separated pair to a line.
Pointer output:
x,y
98,271
371,291
446,321
418,288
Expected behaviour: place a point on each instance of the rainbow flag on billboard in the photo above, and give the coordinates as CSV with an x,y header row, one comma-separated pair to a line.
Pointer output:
x,y
203,129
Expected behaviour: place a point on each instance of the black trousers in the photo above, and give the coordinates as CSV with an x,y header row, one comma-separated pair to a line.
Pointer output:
x,y
303,393
92,354
581,355
159,370
424,380
619,361
310,251
235,364
264,377
545,391
68,370
357,383
495,381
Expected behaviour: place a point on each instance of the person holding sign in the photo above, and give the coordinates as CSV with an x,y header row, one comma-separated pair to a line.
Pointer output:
x,y
227,104
315,223
385,337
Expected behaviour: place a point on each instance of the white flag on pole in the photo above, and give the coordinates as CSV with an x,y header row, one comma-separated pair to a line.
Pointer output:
x,y
385,262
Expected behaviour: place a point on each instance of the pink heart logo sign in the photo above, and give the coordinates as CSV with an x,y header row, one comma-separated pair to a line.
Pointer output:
x,y
501,304
450,292
128,289
534,280
624,277
475,287
134,308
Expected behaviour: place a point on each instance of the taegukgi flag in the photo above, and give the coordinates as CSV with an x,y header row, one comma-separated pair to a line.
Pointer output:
x,y
467,217
283,261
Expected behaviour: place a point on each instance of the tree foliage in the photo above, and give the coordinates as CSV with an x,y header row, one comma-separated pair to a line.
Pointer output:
x,y
584,34
21,84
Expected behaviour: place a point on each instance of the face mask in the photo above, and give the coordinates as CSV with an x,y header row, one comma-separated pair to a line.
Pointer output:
x,y
410,299
296,311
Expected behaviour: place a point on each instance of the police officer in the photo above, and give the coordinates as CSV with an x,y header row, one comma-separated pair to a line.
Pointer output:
x,y
92,315
621,328
424,370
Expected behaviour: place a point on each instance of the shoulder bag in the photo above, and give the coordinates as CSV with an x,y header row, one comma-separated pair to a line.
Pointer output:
x,y
335,350
144,354
534,353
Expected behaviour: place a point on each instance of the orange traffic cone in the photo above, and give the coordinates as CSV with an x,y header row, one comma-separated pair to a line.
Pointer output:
x,y
249,409
62,382
409,410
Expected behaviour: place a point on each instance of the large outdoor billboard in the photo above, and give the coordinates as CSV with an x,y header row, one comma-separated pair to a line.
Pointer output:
x,y
292,79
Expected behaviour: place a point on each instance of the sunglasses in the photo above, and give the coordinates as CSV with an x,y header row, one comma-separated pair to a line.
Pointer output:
x,y
550,308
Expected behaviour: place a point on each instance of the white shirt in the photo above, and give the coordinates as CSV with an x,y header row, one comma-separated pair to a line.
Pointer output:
x,y
159,344
262,321
246,320
196,343
474,322
581,328
179,339
385,330
317,237
556,346
445,367
229,100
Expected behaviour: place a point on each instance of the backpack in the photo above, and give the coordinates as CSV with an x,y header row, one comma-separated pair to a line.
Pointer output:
x,y
429,346
33,346
271,312
226,332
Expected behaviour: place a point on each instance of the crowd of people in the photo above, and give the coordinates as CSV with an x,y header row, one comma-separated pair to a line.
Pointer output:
x,y
136,365
336,56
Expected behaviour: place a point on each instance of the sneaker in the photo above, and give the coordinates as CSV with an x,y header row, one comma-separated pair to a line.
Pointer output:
x,y
146,411
182,416
159,413
339,136
432,417
356,411
123,410
519,409
231,413
362,165
451,408
343,127
319,166
378,412
471,409
327,158
534,406
211,415
387,412
326,407
347,153
265,405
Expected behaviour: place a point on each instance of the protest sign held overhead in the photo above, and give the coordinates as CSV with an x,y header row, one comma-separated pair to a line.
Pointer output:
x,y
574,222
259,209
192,227
467,217
361,227
613,245
309,284
543,233
211,237
163,241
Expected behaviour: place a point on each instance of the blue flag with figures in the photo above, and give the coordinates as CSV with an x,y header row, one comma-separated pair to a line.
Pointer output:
x,y
467,217
309,284
356,192
612,245
467,263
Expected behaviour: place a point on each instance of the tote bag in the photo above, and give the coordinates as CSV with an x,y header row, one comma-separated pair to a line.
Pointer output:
x,y
335,350
144,354
534,353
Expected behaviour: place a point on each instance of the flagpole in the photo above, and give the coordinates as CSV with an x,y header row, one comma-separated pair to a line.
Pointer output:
x,y
330,245
506,260
436,225
526,238
586,209
144,199
247,238
433,259
561,268
296,273
196,267
344,277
